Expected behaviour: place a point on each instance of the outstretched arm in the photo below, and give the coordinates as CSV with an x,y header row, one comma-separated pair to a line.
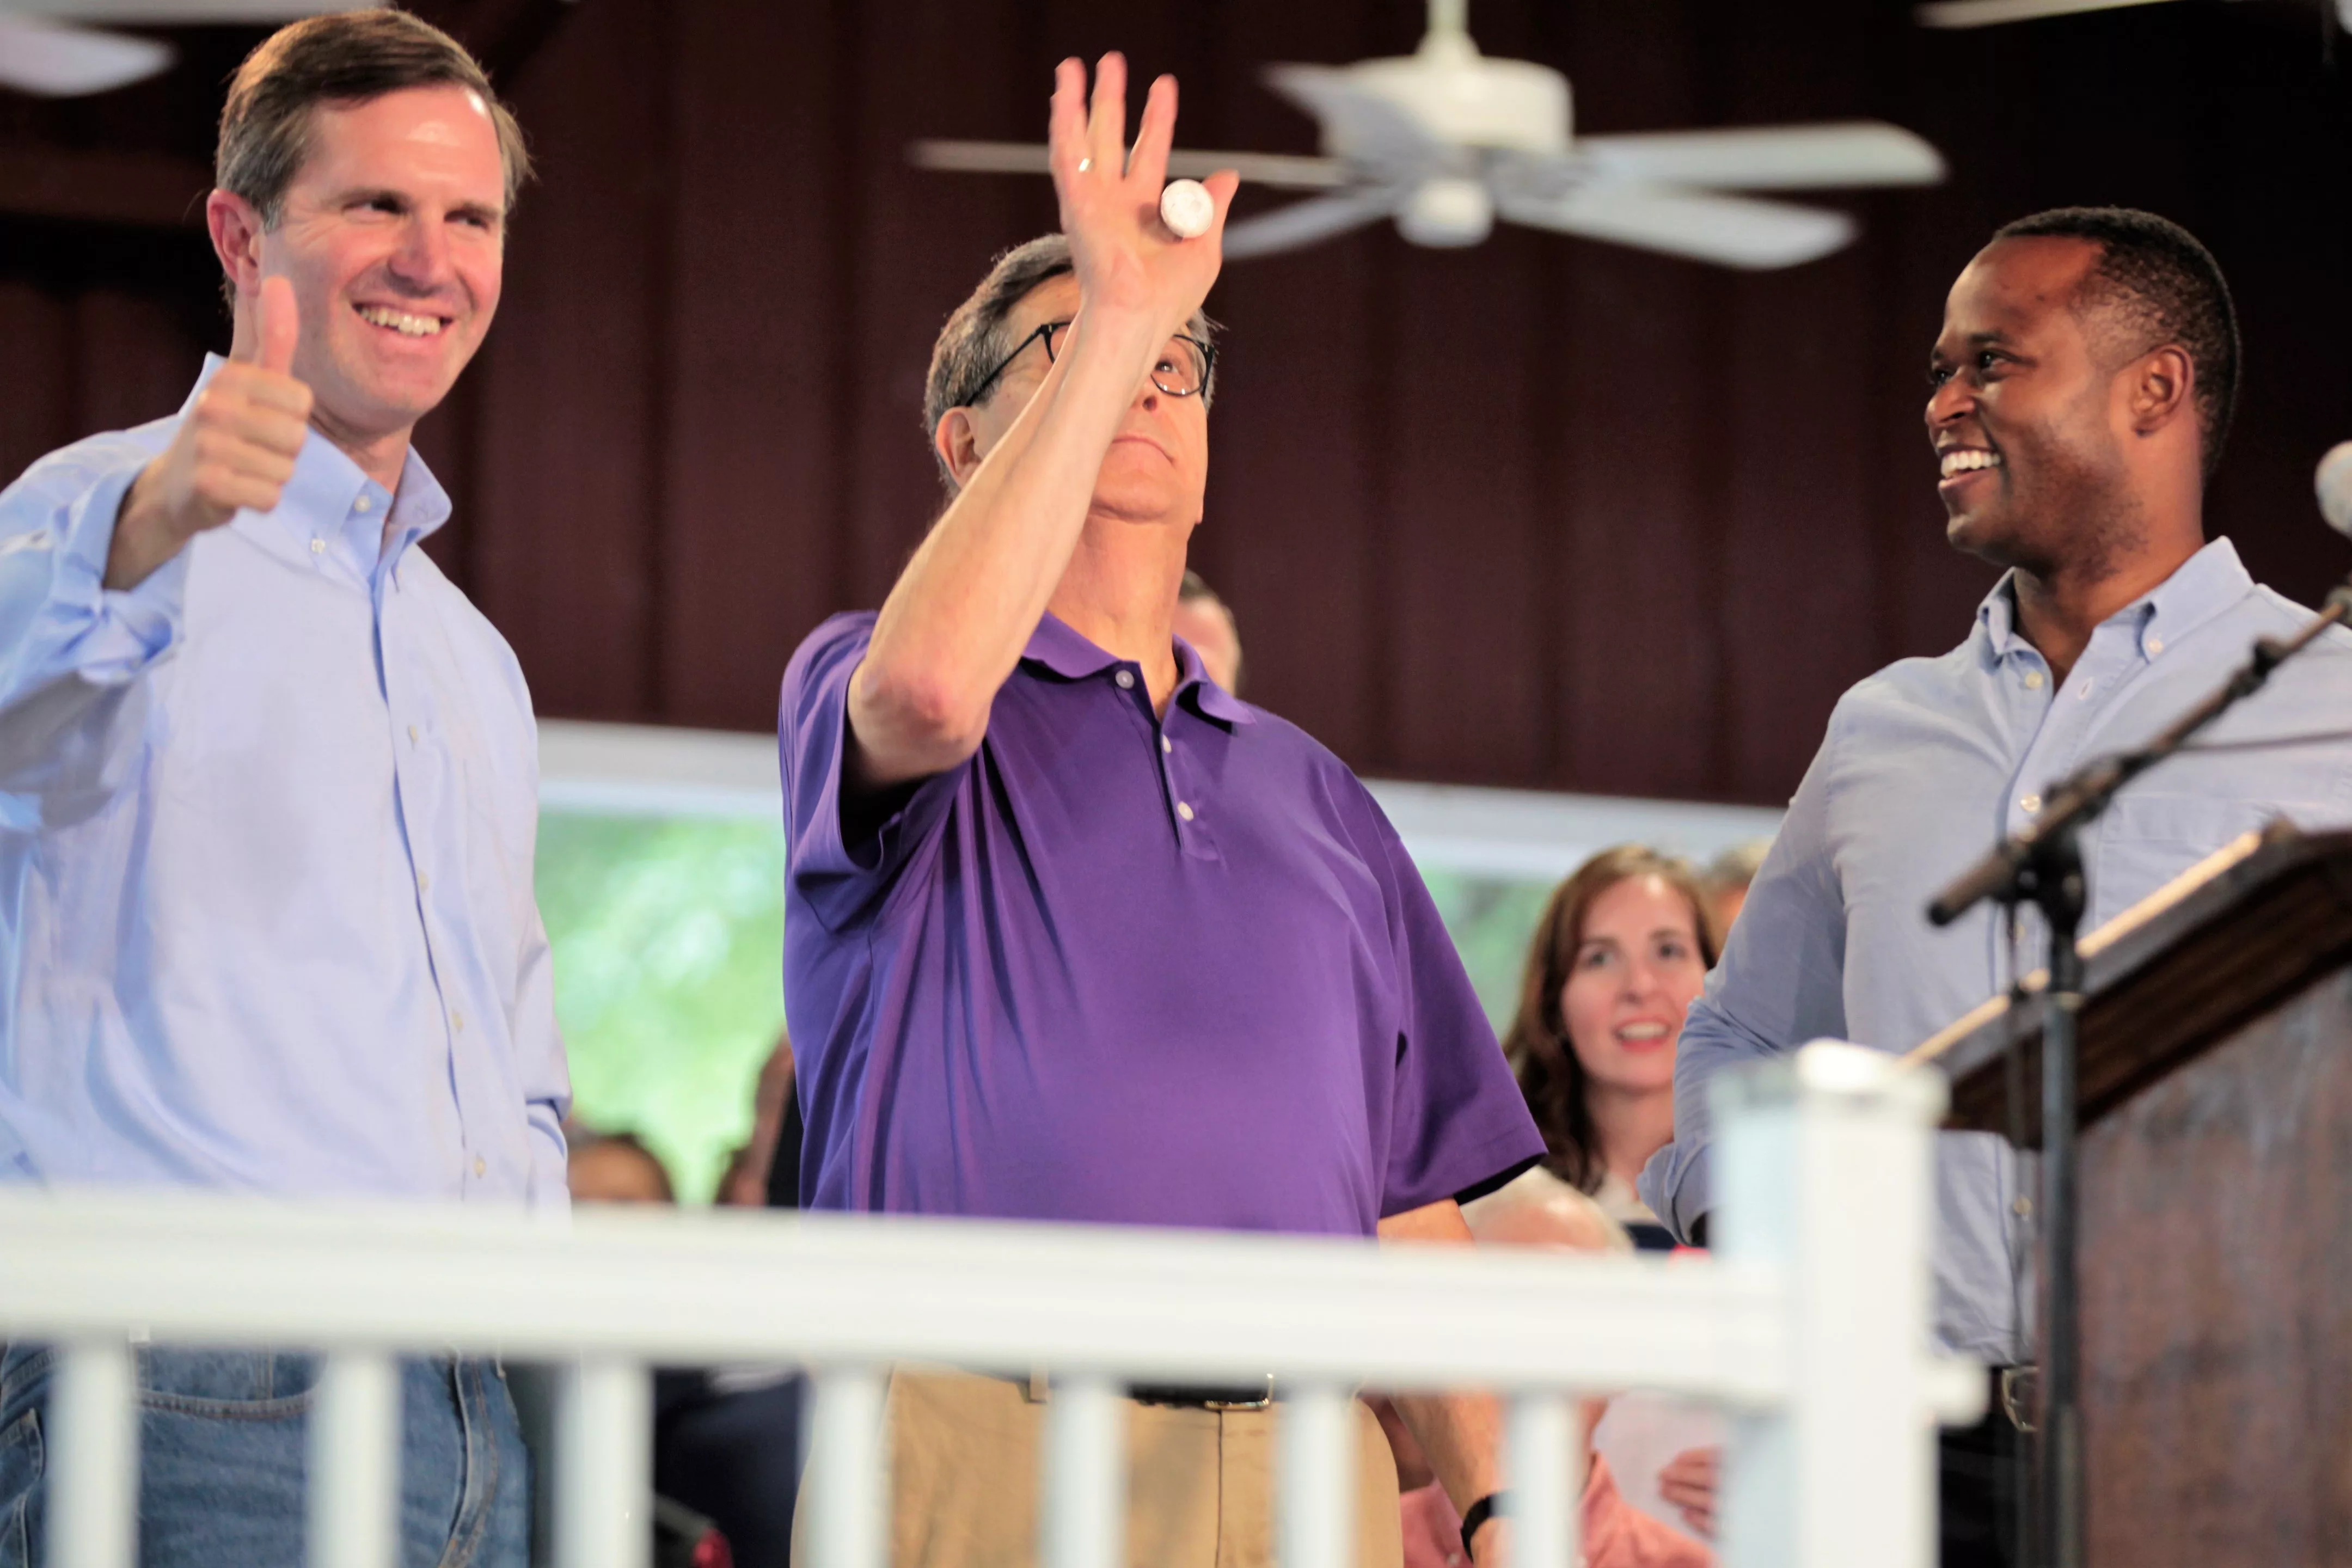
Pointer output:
x,y
953,628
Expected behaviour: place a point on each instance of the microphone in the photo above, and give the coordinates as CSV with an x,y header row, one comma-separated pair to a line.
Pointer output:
x,y
2333,484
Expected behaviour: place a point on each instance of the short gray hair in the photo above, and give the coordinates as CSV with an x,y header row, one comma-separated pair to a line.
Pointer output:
x,y
974,341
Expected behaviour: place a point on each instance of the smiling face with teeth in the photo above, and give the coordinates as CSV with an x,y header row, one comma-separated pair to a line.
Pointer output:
x,y
1638,965
2031,413
393,234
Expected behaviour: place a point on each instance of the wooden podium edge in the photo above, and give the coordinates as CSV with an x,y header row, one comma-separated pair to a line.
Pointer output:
x,y
2220,944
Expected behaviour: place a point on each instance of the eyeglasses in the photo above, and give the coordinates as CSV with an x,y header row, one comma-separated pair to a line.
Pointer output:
x,y
1181,370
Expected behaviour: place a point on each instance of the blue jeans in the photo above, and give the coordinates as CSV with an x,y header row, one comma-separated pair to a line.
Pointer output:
x,y
221,1457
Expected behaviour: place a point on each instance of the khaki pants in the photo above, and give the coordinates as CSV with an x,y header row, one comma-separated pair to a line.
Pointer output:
x,y
1199,1483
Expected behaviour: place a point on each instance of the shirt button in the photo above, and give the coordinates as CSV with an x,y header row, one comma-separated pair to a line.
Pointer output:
x,y
2030,803
424,881
1165,744
1126,680
363,503
481,1166
2033,680
457,1020
2154,647
318,547
411,735
1183,811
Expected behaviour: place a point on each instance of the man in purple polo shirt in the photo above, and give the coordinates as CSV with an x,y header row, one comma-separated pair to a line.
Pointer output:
x,y
1076,934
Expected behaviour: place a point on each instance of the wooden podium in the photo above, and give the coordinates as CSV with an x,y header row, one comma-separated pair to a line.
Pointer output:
x,y
2216,1206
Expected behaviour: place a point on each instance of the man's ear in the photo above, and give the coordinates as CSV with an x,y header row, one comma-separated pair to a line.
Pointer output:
x,y
957,441
2163,387
236,230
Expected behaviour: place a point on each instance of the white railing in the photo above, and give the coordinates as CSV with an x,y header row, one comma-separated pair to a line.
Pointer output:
x,y
1809,1323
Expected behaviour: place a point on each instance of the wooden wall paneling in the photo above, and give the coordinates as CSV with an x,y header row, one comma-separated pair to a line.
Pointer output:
x,y
1798,614
1461,520
1632,454
573,392
37,391
1289,536
140,361
1641,509
752,486
923,240
2273,151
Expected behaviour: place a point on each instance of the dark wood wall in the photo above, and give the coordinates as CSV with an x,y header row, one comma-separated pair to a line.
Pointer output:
x,y
1540,513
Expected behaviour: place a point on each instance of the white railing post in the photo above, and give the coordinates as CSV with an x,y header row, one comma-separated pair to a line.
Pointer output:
x,y
1547,1471
1824,1167
1084,1521
603,1464
94,1473
355,1462
848,1469
1315,1476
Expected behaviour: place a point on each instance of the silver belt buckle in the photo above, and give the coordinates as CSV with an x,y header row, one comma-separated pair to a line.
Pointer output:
x,y
1260,1403
2020,1389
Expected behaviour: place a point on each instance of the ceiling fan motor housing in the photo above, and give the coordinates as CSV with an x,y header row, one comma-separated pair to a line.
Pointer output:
x,y
1466,100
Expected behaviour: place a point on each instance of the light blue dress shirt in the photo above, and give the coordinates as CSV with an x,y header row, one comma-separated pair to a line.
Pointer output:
x,y
1924,765
266,824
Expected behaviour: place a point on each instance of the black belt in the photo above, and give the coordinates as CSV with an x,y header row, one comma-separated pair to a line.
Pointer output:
x,y
1191,1397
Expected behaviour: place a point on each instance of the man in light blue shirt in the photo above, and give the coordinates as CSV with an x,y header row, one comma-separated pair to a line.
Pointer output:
x,y
268,785
2084,381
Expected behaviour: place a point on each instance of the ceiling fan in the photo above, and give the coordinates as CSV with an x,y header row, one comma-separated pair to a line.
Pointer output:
x,y
47,49
1444,140
1987,12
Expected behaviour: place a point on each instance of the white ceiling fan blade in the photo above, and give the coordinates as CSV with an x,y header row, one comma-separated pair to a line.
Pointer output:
x,y
1305,222
187,13
1278,170
67,62
1769,157
1732,231
1357,124
1986,13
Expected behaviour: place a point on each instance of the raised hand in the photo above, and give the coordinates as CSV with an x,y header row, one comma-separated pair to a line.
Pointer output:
x,y
234,450
1125,256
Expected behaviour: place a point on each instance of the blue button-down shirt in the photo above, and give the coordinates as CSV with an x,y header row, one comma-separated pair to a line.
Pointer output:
x,y
266,823
1923,765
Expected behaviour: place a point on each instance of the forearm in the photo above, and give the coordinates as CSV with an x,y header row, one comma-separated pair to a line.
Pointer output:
x,y
144,537
954,626
1463,1435
72,654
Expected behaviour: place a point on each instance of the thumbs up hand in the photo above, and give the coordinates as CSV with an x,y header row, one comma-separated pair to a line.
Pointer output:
x,y
235,450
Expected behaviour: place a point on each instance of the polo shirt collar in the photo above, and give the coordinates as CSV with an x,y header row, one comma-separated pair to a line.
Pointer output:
x,y
2201,587
1208,697
1060,648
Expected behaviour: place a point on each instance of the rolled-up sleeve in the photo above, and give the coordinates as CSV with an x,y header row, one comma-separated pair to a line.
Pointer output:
x,y
1780,984
841,880
1457,1120
72,650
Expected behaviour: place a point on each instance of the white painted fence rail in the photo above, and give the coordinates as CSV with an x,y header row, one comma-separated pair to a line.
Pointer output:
x,y
1808,1322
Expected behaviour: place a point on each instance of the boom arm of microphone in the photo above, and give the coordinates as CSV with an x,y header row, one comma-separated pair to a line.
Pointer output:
x,y
2005,874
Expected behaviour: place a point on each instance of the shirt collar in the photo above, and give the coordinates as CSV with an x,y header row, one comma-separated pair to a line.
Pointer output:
x,y
2201,587
1060,648
327,488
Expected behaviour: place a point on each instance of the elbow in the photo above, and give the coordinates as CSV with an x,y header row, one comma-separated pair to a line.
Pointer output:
x,y
925,715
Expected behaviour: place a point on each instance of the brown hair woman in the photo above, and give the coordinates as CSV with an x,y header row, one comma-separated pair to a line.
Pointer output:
x,y
1621,951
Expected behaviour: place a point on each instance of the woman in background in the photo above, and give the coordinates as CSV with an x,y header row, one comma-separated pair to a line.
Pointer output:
x,y
1621,951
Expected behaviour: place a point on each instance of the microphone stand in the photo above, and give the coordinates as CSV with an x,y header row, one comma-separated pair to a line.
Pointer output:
x,y
2042,865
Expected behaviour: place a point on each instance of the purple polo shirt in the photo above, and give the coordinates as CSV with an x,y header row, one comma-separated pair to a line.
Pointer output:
x,y
1120,969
